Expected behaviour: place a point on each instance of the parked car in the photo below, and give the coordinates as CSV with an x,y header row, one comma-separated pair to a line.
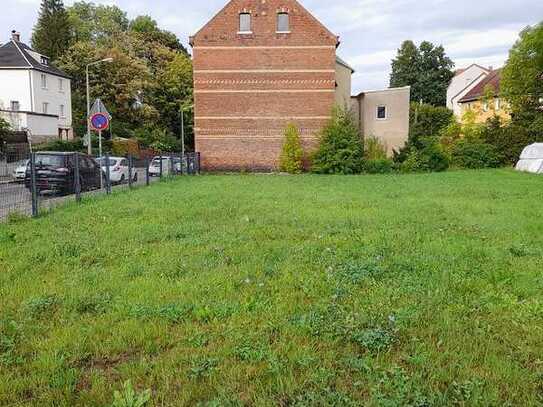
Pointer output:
x,y
118,169
167,164
55,173
20,171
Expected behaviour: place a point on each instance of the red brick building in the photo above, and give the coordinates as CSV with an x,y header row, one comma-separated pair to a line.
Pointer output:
x,y
258,65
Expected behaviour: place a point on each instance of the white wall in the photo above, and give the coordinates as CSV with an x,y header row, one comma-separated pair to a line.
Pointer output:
x,y
15,86
343,89
393,131
461,84
43,128
53,96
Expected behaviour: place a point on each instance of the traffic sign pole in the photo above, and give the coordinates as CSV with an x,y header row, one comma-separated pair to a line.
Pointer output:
x,y
101,159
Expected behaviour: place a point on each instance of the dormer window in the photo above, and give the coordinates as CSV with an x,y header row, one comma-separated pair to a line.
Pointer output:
x,y
283,24
44,60
245,23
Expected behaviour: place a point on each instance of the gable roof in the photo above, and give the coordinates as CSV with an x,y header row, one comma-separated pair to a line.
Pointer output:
x,y
16,55
493,80
345,64
193,37
11,57
462,70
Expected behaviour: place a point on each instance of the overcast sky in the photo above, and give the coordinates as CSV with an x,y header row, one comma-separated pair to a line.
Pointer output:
x,y
472,31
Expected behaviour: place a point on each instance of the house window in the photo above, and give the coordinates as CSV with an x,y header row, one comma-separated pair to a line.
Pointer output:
x,y
283,23
61,85
381,112
45,107
245,23
43,81
44,60
61,111
497,104
15,106
485,106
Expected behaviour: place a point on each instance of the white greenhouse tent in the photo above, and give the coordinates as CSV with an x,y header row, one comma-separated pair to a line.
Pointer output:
x,y
531,159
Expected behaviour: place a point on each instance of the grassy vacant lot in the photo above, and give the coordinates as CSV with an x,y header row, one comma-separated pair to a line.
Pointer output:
x,y
270,290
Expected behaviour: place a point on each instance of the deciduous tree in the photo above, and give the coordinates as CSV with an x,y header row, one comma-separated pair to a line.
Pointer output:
x,y
522,83
427,69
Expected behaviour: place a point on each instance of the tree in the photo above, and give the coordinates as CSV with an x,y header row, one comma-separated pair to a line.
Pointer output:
x,y
51,36
340,149
98,24
4,128
426,69
522,80
292,154
150,32
146,85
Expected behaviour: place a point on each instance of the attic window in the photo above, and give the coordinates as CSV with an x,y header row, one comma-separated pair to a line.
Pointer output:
x,y
44,60
245,22
283,25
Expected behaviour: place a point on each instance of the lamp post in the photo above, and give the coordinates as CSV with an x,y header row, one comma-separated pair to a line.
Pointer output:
x,y
89,142
183,137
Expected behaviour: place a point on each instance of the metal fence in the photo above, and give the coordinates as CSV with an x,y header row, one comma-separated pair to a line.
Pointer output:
x,y
33,183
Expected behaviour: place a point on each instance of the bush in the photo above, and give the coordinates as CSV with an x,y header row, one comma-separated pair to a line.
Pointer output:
x,y
379,166
340,150
374,149
157,139
4,128
429,159
508,140
427,121
475,154
62,145
292,154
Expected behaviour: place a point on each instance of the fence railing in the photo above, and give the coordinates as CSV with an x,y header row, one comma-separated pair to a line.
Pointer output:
x,y
31,183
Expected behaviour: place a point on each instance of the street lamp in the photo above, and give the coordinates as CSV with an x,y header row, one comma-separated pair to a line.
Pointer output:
x,y
106,60
183,137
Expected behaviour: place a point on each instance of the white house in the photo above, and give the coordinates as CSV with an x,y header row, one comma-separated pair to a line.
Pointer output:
x,y
34,95
462,83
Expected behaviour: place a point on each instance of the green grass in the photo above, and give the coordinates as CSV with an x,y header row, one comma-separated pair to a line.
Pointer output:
x,y
272,290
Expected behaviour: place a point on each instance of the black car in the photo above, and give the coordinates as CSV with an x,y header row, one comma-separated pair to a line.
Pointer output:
x,y
55,173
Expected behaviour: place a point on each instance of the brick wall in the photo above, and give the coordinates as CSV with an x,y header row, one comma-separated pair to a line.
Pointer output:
x,y
248,87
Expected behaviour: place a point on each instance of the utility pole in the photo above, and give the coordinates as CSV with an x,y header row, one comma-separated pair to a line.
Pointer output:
x,y
89,144
182,141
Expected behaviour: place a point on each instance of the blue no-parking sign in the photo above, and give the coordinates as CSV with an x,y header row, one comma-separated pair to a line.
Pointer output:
x,y
99,122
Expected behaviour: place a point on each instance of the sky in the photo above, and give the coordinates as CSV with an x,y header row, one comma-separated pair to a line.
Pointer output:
x,y
371,31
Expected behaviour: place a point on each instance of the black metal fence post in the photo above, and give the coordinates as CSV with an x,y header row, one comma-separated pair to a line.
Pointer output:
x,y
147,180
172,166
160,166
77,178
33,186
130,171
108,176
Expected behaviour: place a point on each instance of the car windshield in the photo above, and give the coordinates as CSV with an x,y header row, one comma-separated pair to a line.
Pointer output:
x,y
23,163
156,162
104,162
49,160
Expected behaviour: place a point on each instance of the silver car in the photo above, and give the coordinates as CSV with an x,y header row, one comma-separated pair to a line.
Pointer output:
x,y
20,171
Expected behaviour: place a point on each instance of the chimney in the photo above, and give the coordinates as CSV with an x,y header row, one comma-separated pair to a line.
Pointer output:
x,y
16,36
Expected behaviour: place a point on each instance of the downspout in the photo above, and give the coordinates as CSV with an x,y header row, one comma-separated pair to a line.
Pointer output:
x,y
31,91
